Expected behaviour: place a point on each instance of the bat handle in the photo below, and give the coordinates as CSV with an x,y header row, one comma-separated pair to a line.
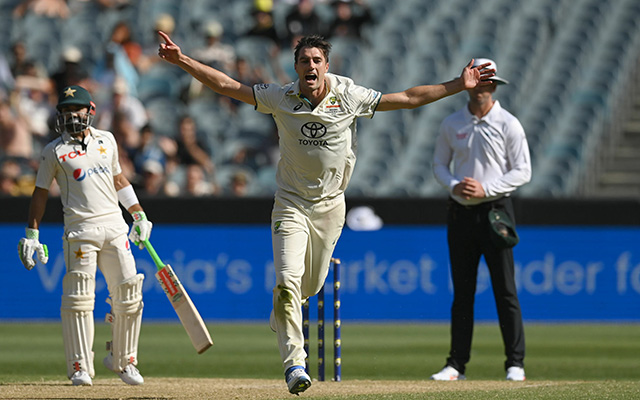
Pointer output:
x,y
153,254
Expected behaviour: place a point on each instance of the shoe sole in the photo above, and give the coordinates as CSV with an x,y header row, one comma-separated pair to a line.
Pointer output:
x,y
300,387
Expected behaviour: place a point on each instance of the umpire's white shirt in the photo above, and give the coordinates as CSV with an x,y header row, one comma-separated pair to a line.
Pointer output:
x,y
493,150
317,146
85,177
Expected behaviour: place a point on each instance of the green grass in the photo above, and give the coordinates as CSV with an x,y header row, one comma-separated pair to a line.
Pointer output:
x,y
604,358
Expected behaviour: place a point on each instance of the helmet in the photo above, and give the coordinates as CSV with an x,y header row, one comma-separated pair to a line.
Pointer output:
x,y
71,121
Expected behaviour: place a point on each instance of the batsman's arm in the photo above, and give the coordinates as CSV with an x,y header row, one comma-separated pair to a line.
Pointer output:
x,y
30,244
216,80
141,229
36,207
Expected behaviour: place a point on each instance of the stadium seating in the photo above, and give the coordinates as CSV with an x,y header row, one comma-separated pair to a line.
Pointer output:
x,y
568,61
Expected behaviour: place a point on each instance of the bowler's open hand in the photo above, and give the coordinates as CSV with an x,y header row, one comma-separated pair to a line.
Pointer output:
x,y
476,76
168,50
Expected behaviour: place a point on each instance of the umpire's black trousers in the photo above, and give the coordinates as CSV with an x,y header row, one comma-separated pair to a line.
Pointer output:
x,y
468,238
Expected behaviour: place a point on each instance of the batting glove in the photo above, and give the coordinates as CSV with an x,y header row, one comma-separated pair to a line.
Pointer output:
x,y
141,229
30,245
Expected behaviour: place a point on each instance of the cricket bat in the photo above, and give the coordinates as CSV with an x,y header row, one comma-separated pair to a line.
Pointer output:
x,y
181,302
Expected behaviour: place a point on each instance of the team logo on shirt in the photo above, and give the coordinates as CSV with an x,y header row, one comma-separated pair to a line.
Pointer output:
x,y
314,131
333,105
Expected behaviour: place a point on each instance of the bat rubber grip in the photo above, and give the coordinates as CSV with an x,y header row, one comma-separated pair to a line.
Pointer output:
x,y
153,254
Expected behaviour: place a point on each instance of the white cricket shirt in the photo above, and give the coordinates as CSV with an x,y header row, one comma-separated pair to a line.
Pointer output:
x,y
493,150
85,178
317,146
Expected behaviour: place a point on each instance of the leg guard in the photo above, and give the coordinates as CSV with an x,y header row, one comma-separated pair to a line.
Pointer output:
x,y
126,319
76,311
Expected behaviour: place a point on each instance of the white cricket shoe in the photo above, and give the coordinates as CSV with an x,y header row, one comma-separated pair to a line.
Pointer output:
x,y
297,380
81,378
129,375
272,321
515,374
448,373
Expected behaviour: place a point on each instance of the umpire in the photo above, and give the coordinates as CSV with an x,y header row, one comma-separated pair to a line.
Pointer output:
x,y
488,149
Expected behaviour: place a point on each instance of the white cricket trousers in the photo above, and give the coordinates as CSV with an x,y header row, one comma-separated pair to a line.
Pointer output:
x,y
303,238
105,247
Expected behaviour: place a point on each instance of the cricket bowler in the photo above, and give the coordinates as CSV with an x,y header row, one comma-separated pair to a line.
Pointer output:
x,y
84,162
316,119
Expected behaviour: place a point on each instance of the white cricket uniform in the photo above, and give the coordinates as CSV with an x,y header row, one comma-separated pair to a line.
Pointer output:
x,y
95,230
492,149
317,157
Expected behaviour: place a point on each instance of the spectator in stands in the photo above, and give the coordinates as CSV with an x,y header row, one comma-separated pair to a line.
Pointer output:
x,y
122,102
349,18
263,23
149,56
239,184
116,63
487,148
128,140
316,117
153,179
9,175
72,72
47,8
197,183
216,53
192,150
32,97
303,20
15,138
121,34
153,147
19,57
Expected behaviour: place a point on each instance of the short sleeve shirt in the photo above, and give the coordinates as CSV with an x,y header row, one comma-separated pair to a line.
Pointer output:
x,y
317,145
85,178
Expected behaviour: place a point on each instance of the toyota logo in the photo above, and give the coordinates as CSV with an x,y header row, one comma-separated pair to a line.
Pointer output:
x,y
313,130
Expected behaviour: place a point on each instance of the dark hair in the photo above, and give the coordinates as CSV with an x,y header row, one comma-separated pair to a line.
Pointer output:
x,y
316,41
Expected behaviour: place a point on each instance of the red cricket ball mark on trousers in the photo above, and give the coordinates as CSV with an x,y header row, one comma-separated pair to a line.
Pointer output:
x,y
168,282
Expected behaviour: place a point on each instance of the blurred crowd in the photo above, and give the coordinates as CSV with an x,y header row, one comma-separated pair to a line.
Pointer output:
x,y
182,162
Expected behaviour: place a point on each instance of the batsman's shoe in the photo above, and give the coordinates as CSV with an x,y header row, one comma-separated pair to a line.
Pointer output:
x,y
297,380
81,378
272,321
129,375
448,373
515,374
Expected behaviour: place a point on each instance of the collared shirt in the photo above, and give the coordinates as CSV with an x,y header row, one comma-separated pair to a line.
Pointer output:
x,y
85,177
317,145
493,150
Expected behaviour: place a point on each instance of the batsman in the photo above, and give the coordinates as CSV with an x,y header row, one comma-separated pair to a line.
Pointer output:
x,y
84,162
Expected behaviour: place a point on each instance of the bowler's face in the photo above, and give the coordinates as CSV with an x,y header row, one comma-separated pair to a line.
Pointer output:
x,y
311,67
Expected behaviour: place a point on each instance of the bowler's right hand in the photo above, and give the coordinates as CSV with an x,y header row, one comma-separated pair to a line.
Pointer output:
x,y
30,245
168,50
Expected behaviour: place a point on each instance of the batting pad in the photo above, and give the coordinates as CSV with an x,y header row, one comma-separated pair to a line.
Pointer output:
x,y
76,311
126,307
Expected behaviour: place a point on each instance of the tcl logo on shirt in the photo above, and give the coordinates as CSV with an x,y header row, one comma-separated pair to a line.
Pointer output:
x,y
72,155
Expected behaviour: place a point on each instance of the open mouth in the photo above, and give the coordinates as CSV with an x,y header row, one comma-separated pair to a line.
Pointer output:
x,y
311,78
